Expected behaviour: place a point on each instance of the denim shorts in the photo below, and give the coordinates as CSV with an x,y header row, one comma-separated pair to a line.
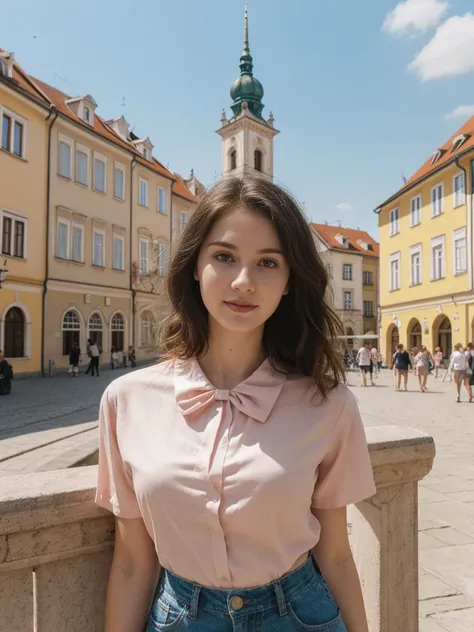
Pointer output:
x,y
299,600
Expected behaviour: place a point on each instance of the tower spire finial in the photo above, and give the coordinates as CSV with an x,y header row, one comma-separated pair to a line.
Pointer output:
x,y
246,28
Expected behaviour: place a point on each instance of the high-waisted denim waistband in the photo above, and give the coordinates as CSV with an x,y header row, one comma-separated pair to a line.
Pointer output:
x,y
277,593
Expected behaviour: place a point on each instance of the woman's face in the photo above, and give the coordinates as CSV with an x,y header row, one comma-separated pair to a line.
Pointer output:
x,y
242,271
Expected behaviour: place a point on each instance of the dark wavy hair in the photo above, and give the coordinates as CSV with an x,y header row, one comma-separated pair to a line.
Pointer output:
x,y
300,337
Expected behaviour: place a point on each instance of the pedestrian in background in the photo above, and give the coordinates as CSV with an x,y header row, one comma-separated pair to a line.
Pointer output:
x,y
74,359
402,363
131,356
94,350
438,360
458,365
363,360
422,364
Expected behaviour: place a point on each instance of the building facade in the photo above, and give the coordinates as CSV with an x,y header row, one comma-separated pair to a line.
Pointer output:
x,y
247,137
24,124
352,261
426,242
101,208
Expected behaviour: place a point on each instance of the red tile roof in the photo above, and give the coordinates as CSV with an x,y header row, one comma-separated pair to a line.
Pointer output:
x,y
447,157
22,80
180,188
329,233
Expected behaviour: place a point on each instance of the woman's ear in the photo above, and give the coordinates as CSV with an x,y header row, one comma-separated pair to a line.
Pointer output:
x,y
195,275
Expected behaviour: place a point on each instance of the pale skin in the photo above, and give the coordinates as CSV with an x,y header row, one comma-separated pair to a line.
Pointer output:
x,y
241,260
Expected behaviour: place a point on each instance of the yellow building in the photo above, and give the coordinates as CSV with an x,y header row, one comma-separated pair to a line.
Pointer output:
x,y
99,209
24,122
426,263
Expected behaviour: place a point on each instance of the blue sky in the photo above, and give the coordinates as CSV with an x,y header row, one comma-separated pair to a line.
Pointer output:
x,y
361,91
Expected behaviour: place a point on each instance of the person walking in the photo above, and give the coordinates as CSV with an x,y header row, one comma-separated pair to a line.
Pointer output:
x,y
422,364
438,360
363,361
374,357
74,359
246,408
458,365
6,375
95,358
402,363
131,356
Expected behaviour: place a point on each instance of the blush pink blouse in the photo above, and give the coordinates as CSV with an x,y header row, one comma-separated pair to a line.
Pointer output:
x,y
225,479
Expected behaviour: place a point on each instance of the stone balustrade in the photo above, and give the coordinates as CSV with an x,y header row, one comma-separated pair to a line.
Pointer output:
x,y
56,544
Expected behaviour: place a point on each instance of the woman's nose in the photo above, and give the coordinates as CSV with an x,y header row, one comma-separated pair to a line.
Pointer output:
x,y
243,282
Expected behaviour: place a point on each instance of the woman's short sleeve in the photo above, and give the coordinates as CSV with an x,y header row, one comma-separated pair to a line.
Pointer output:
x,y
115,489
345,474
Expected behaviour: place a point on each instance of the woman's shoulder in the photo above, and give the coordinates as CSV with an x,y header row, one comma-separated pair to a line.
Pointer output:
x,y
338,397
157,377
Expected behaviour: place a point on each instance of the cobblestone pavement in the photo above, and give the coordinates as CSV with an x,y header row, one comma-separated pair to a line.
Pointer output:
x,y
44,417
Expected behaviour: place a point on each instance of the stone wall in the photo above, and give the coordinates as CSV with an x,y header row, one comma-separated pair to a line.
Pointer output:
x,y
56,544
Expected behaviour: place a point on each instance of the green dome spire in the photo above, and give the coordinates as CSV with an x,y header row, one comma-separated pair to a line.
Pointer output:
x,y
247,87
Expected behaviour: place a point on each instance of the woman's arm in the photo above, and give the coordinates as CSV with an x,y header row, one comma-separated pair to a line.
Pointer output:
x,y
133,578
334,557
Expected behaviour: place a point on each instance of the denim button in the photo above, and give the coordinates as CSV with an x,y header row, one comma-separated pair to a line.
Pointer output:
x,y
237,602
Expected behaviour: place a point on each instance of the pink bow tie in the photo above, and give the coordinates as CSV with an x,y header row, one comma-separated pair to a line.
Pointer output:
x,y
254,397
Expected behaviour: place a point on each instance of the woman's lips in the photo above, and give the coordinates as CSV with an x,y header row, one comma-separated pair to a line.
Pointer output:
x,y
240,307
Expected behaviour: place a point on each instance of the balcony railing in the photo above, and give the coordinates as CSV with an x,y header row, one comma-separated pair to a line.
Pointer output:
x,y
56,544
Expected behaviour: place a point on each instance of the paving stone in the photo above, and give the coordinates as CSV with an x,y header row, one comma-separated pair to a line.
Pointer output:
x,y
431,586
456,621
466,496
450,536
426,542
455,564
444,604
429,625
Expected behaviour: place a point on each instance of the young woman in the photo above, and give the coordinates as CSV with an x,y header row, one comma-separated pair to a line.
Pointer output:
x,y
402,362
438,360
459,365
229,465
422,364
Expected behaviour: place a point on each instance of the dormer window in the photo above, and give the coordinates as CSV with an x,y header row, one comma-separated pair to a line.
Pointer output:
x,y
343,240
83,108
144,146
3,67
458,141
363,244
437,155
370,247
87,114
6,64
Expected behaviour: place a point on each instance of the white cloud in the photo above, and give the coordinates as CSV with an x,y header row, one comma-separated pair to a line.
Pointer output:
x,y
414,15
462,111
344,206
450,52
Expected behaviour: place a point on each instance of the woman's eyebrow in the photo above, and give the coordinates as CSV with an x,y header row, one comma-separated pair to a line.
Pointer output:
x,y
263,251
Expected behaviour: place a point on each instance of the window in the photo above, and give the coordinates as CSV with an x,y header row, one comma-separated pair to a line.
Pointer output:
x,y
437,200
13,133
347,299
437,258
459,191
415,211
415,265
347,272
458,141
82,167
62,240
162,206
460,251
98,254
143,192
394,221
368,309
117,327
368,278
119,182
87,114
233,160
95,329
100,168
146,328
162,256
13,236
118,257
395,272
65,159
183,220
15,333
71,328
144,258
77,243
258,160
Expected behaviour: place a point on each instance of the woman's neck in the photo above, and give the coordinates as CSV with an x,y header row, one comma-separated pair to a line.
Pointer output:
x,y
231,357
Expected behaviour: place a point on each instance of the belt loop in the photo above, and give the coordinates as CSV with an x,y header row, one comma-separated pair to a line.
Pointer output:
x,y
281,601
193,606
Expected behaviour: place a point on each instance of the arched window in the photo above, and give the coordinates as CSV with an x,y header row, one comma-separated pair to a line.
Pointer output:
x,y
15,331
71,331
258,160
96,329
146,329
233,159
117,326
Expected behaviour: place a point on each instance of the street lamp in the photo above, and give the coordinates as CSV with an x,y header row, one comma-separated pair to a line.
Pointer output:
x,y
3,273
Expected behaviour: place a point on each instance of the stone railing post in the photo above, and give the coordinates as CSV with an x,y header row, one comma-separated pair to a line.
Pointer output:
x,y
384,529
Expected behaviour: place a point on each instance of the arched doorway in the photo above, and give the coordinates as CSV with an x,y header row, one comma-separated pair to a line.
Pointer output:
x,y
414,333
71,328
15,331
393,339
443,336
96,329
117,327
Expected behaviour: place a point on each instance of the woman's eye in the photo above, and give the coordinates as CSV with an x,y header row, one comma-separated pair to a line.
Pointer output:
x,y
225,257
269,263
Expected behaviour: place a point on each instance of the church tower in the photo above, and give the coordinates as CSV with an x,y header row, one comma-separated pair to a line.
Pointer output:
x,y
247,138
